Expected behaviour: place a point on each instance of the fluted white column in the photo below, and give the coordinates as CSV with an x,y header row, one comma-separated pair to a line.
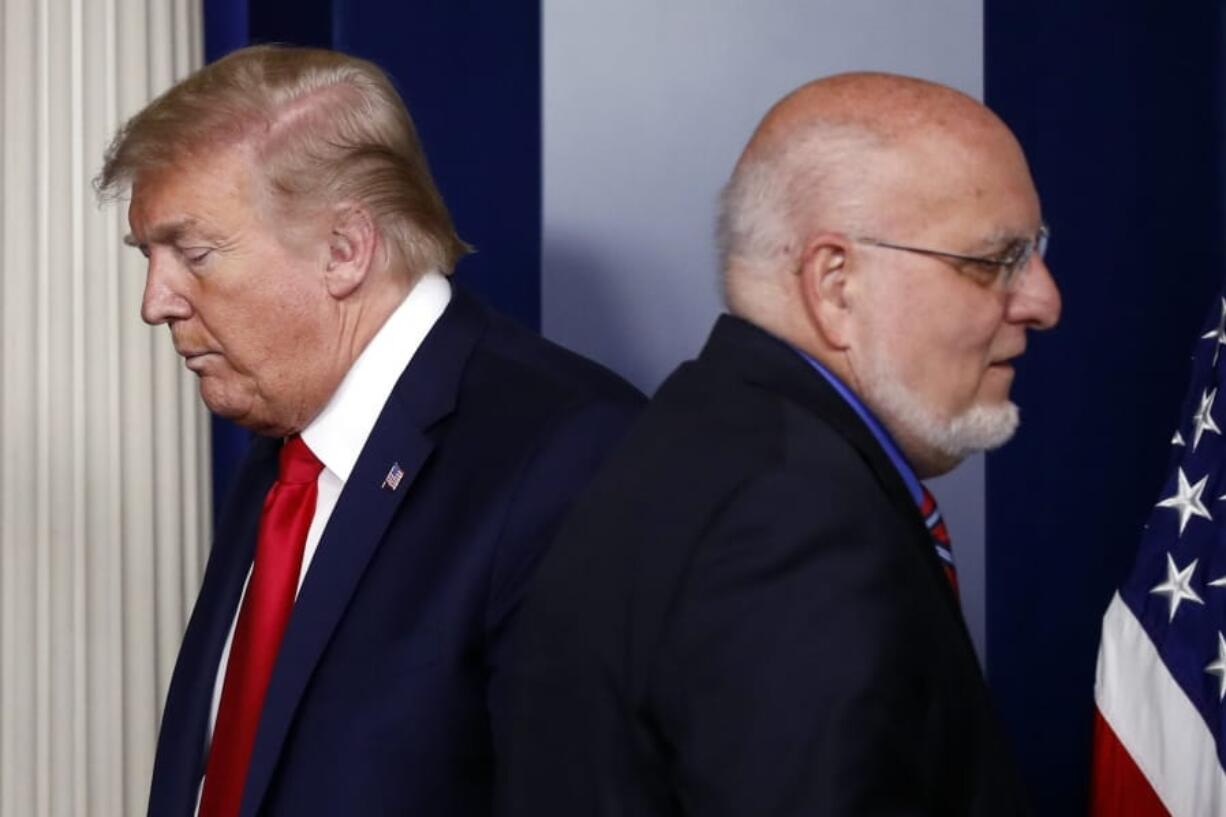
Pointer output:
x,y
104,458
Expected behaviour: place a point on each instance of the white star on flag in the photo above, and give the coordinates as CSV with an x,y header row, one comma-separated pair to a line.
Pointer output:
x,y
1187,500
1202,420
1218,334
1177,439
1178,585
1218,667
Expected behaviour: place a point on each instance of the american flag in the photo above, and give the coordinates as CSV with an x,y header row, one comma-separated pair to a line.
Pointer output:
x,y
394,475
1161,685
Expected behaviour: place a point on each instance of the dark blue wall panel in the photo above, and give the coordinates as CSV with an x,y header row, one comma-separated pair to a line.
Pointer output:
x,y
470,72
225,27
303,22
1120,112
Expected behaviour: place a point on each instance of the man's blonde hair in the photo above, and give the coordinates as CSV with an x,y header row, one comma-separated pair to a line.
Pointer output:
x,y
323,126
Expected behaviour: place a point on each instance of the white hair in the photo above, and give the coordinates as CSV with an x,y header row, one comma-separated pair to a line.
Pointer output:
x,y
776,197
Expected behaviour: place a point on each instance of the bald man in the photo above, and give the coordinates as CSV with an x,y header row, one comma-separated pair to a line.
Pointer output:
x,y
753,610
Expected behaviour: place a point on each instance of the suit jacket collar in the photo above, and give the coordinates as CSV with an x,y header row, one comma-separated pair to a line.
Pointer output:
x,y
759,358
339,432
879,432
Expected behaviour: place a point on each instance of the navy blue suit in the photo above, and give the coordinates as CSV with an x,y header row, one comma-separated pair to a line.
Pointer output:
x,y
388,691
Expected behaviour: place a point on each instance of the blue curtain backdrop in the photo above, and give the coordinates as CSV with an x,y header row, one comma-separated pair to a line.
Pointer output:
x,y
470,73
1120,110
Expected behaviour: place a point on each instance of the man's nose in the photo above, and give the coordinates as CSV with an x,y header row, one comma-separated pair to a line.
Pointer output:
x,y
162,300
1035,300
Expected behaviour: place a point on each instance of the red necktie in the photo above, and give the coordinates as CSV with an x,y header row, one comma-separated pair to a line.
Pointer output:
x,y
940,536
288,510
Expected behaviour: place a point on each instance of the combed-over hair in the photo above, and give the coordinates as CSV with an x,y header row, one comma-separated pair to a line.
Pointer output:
x,y
323,126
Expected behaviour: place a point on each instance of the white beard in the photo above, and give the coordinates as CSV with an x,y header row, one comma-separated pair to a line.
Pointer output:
x,y
979,428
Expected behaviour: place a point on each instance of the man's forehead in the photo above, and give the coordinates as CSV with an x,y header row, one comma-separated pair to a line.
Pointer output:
x,y
194,196
932,175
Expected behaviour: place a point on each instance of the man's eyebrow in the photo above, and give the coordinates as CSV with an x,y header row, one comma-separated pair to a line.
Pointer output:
x,y
171,233
1001,239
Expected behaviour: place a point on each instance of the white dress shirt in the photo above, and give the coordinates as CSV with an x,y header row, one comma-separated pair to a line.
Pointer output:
x,y
338,434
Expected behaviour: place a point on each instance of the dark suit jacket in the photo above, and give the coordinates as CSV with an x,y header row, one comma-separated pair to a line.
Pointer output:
x,y
387,691
744,616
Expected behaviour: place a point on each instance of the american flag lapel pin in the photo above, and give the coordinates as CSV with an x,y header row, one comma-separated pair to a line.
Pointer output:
x,y
392,481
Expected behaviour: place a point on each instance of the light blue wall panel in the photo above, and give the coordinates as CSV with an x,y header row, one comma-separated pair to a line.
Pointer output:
x,y
646,106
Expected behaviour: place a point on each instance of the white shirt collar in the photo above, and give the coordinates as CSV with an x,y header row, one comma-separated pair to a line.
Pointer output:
x,y
339,433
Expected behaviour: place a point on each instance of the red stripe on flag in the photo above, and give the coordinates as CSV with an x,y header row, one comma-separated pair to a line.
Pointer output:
x,y
1117,787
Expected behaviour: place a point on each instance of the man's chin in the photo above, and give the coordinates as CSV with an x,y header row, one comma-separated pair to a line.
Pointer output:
x,y
222,403
940,441
982,427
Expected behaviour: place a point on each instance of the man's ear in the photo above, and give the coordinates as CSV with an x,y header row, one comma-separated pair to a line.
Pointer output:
x,y
352,242
826,286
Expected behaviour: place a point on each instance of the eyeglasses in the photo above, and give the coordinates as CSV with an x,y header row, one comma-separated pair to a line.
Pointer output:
x,y
1005,266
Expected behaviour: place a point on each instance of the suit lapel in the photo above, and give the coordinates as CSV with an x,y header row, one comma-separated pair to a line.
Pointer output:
x,y
425,394
180,758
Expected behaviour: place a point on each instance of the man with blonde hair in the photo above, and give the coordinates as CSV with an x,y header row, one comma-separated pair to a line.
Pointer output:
x,y
347,650
753,609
